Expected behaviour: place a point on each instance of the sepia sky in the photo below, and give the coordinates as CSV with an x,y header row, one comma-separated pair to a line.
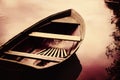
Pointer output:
x,y
17,15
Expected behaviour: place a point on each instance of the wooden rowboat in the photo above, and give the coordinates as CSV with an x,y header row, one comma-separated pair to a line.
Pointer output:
x,y
46,43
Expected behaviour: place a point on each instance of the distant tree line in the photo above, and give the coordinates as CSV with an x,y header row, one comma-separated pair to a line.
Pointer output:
x,y
113,50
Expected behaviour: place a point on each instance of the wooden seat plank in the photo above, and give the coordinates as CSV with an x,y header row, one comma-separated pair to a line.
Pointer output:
x,y
34,56
55,36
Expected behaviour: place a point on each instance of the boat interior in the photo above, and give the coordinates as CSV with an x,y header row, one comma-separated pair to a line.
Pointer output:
x,y
53,41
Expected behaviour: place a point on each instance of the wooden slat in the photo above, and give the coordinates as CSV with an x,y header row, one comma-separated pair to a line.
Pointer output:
x,y
58,53
34,56
51,53
61,54
54,54
51,50
48,50
55,36
44,52
65,53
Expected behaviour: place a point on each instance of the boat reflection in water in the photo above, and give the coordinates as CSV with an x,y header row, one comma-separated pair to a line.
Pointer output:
x,y
46,49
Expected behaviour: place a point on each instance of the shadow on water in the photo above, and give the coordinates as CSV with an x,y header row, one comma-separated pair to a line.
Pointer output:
x,y
67,70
